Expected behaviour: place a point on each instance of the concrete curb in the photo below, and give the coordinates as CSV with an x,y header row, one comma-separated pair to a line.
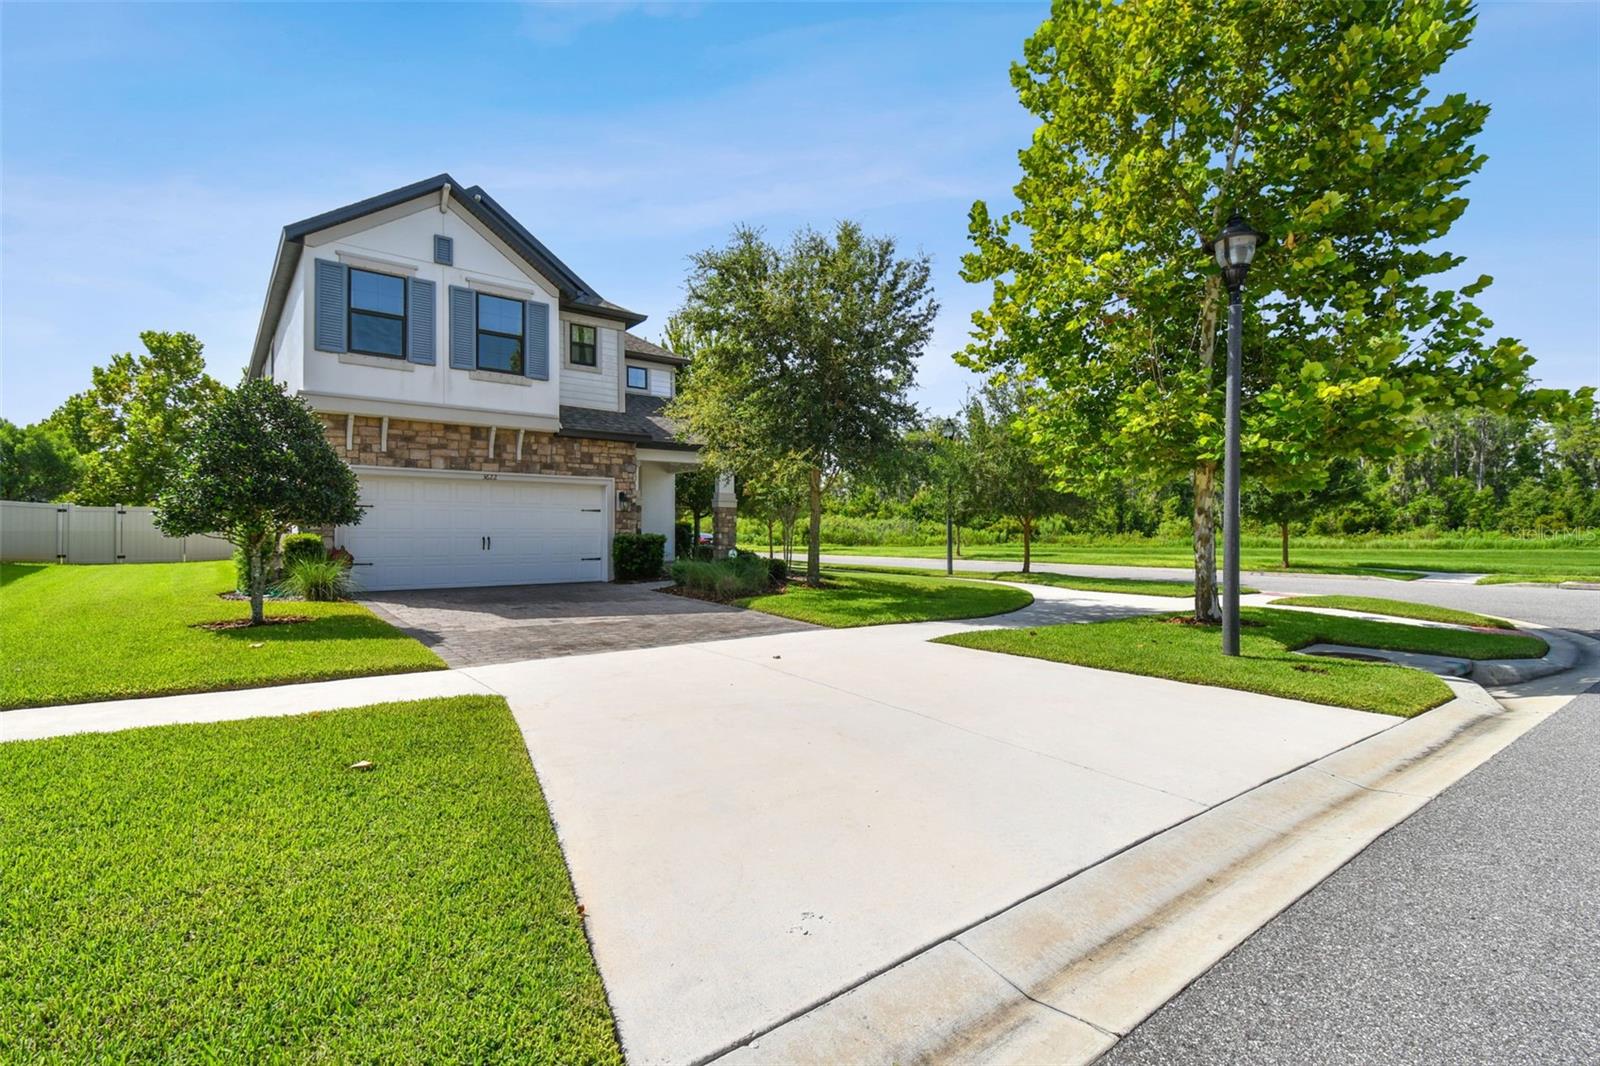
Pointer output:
x,y
1062,975
1562,656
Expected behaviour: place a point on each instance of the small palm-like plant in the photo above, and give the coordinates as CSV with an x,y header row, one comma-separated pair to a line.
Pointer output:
x,y
319,579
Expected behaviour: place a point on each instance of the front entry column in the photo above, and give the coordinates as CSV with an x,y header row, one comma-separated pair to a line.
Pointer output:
x,y
724,516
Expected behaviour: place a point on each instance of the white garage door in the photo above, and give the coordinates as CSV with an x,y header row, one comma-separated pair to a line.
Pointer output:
x,y
447,532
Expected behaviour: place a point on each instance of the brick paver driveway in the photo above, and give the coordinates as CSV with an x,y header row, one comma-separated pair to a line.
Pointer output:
x,y
475,627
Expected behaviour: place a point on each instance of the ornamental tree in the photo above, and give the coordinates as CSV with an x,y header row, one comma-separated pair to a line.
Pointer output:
x,y
1159,119
258,465
802,353
1011,477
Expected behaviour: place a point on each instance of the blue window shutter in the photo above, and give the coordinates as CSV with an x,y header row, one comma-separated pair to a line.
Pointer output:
x,y
536,364
444,249
332,298
421,299
463,328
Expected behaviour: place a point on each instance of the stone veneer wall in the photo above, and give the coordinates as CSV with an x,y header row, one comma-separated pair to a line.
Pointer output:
x,y
446,446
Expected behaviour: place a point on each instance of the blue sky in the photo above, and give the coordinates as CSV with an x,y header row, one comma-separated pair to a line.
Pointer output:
x,y
149,155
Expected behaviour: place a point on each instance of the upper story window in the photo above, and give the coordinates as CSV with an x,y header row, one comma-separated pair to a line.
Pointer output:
x,y
638,378
500,333
581,348
377,314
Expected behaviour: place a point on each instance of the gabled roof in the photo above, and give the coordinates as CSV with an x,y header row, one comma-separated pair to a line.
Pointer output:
x,y
576,294
639,348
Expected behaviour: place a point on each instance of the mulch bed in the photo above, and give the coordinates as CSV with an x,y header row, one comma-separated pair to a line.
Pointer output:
x,y
1191,620
245,623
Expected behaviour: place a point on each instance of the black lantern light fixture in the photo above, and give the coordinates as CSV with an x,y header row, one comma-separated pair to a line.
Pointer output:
x,y
1234,248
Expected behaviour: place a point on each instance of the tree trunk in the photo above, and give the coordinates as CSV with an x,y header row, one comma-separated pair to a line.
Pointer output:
x,y
814,547
1283,542
1206,608
1027,544
770,552
258,584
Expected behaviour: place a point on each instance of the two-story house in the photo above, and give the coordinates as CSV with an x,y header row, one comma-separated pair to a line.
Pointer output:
x,y
501,419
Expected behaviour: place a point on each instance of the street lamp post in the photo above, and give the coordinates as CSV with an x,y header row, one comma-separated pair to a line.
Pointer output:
x,y
948,431
1234,248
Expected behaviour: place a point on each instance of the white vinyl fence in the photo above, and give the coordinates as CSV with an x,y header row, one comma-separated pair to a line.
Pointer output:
x,y
67,533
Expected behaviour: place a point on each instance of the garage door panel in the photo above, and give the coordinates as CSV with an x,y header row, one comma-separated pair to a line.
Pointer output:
x,y
420,532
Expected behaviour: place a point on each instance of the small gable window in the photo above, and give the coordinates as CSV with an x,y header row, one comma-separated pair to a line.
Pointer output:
x,y
377,314
638,378
500,334
581,346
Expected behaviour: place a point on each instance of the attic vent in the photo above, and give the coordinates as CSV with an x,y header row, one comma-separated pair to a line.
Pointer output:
x,y
444,249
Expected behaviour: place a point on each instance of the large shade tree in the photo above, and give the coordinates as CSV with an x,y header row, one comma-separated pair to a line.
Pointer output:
x,y
1159,119
802,353
257,466
135,421
36,463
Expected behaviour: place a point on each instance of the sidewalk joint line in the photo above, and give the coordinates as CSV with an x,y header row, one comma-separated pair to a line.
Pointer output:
x,y
1102,1030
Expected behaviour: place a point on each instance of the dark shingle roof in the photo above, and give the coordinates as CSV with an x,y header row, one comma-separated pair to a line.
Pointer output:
x,y
640,348
643,422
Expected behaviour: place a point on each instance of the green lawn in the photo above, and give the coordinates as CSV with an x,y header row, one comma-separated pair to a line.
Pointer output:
x,y
1156,647
1398,608
859,598
1140,586
78,633
1514,560
232,892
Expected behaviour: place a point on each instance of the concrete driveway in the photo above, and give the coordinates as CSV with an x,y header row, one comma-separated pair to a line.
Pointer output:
x,y
514,623
756,825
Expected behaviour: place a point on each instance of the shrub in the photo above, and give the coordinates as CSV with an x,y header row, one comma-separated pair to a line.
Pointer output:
x,y
726,579
298,546
319,579
777,570
343,557
637,555
683,540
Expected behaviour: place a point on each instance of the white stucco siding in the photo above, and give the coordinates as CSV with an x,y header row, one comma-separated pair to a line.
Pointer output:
x,y
595,387
286,359
657,504
402,244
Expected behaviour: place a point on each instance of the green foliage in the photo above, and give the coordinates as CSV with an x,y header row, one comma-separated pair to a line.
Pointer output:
x,y
296,546
638,555
847,599
777,570
36,463
321,580
1156,121
258,464
801,354
695,492
723,579
134,423
175,891
116,632
1011,476
241,571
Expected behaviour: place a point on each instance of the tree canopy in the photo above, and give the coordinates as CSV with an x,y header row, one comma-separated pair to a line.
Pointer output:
x,y
257,465
134,422
805,352
36,463
1312,119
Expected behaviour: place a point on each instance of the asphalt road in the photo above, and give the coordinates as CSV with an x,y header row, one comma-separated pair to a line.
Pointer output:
x,y
1470,933
1542,604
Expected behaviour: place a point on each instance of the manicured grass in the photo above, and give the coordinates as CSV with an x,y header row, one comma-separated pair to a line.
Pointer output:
x,y
1398,608
78,633
1520,560
1588,577
858,598
1156,647
1135,585
231,891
